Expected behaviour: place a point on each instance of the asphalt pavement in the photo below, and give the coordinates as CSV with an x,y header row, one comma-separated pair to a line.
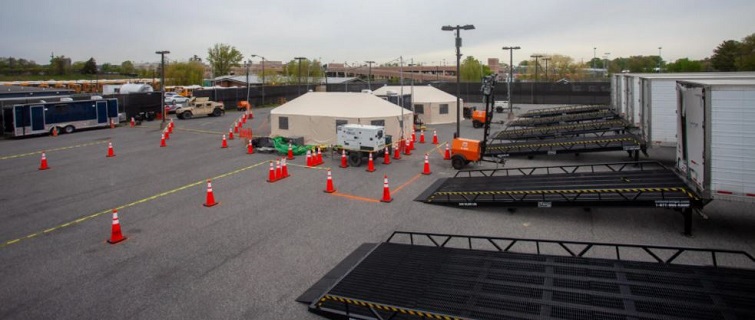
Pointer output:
x,y
253,254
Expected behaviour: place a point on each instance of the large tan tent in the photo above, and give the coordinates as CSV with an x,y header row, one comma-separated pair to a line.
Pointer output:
x,y
432,105
315,115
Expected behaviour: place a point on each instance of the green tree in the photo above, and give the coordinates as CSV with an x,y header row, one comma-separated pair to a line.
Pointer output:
x,y
311,71
184,73
90,67
77,66
222,58
60,65
685,65
127,67
746,59
725,56
471,70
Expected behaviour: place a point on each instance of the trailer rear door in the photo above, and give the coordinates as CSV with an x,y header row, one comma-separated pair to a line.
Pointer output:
x,y
37,118
691,145
101,111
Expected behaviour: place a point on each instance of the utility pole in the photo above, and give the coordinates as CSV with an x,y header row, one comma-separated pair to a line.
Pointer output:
x,y
659,59
458,29
511,77
369,73
246,64
546,59
536,56
162,84
263,77
298,89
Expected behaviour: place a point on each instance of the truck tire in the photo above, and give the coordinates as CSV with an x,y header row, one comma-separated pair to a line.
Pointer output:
x,y
217,112
69,129
186,115
355,158
476,124
458,162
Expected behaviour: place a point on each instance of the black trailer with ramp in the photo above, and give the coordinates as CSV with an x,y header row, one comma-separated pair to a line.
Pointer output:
x,y
436,276
602,115
625,142
625,184
598,129
561,111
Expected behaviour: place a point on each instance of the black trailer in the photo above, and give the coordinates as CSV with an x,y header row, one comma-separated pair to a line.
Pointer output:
x,y
562,111
599,128
436,276
622,184
602,115
66,116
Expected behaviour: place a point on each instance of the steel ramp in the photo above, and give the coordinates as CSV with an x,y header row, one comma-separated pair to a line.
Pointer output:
x,y
625,142
436,281
602,115
561,111
599,128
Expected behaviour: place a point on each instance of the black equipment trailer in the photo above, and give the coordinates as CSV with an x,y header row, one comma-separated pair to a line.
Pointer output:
x,y
625,184
626,142
435,276
561,111
602,115
598,129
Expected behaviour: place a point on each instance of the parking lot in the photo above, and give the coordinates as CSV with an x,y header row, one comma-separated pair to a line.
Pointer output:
x,y
253,254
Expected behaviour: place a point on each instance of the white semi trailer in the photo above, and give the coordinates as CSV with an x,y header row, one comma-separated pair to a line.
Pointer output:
x,y
716,145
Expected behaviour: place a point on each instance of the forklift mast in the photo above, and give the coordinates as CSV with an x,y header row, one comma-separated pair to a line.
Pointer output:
x,y
488,96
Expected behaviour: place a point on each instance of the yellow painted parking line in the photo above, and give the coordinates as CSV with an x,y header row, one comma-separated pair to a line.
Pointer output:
x,y
150,198
52,150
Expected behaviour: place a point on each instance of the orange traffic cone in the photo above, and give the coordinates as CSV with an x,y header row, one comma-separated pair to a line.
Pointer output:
x,y
271,174
278,170
251,114
422,136
370,164
426,169
167,134
230,134
250,148
110,152
290,152
54,131
344,160
386,191
133,122
243,118
162,141
407,148
235,127
112,124
43,162
115,231
224,144
284,169
387,156
435,137
319,157
309,158
329,184
411,145
397,151
447,156
210,196
414,136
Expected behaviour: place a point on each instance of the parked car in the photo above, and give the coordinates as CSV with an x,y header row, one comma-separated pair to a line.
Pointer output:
x,y
171,97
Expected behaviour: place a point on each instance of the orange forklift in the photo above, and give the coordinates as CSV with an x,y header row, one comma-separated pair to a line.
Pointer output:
x,y
464,151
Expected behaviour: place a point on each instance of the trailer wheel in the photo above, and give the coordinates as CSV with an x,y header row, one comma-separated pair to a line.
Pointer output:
x,y
458,162
217,112
355,158
476,124
69,129
187,115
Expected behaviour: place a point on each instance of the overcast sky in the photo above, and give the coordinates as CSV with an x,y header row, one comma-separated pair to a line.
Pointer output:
x,y
382,30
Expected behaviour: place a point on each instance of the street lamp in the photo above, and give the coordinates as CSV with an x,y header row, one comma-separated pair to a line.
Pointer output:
x,y
263,77
608,59
536,56
594,56
659,59
458,29
369,73
162,84
511,77
546,59
298,89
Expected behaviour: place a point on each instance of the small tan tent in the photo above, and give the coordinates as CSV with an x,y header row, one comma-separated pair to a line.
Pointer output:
x,y
315,115
432,105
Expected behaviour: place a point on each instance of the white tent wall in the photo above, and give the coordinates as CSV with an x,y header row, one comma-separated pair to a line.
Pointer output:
x,y
431,99
321,130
